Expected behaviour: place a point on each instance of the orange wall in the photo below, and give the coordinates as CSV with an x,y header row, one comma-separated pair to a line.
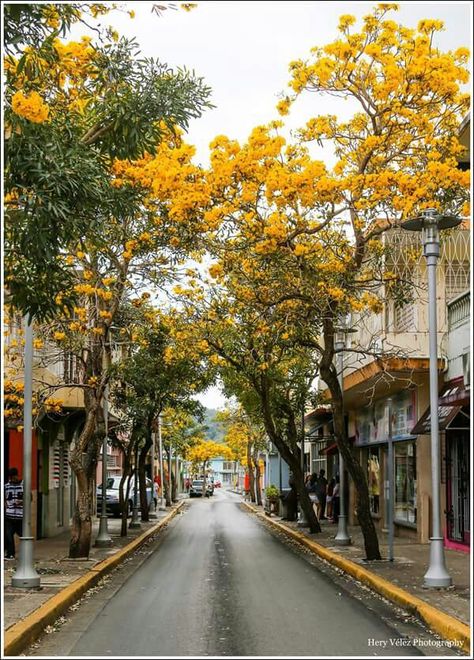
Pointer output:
x,y
16,455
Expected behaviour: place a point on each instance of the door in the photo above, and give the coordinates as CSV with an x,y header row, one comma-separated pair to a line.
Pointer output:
x,y
458,497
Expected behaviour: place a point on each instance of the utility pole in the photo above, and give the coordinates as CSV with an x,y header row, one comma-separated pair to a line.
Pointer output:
x,y
162,480
135,523
104,539
152,511
342,537
25,575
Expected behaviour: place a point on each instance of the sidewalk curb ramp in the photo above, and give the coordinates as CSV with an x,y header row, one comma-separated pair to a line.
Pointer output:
x,y
445,625
20,635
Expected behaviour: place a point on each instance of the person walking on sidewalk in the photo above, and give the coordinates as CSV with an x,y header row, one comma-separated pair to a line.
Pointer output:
x,y
13,511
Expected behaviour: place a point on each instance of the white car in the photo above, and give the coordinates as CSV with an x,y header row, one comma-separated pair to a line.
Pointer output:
x,y
112,495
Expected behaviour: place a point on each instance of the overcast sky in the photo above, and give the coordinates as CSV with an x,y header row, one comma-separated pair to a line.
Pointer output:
x,y
242,50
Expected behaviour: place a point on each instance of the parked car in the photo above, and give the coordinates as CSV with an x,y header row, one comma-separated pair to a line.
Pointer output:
x,y
197,487
217,484
112,495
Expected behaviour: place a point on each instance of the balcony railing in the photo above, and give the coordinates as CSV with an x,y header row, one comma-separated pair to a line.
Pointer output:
x,y
459,310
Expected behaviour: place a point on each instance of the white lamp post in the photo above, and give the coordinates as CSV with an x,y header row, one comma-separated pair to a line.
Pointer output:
x,y
152,511
342,537
430,223
25,574
103,539
160,449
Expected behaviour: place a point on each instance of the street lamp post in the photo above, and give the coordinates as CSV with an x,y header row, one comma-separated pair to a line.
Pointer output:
x,y
391,498
160,449
342,537
176,473
25,575
170,482
430,223
103,539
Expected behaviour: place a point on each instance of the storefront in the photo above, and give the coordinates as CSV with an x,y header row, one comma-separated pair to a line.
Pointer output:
x,y
454,426
372,434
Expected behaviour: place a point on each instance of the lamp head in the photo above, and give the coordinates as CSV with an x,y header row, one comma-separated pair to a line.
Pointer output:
x,y
429,223
429,218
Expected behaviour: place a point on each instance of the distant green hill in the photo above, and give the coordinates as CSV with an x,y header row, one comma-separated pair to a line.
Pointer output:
x,y
214,431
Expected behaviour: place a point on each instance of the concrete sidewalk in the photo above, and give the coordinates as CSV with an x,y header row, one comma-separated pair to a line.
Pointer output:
x,y
63,578
405,573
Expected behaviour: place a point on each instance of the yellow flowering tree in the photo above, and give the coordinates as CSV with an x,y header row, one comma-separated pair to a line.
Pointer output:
x,y
144,385
71,109
140,244
296,241
78,236
204,451
181,431
246,437
397,155
247,341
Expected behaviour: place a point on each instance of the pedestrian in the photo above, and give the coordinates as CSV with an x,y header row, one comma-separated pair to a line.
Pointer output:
x,y
336,501
13,511
291,499
321,492
329,499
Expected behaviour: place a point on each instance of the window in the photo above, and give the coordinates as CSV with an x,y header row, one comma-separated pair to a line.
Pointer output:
x,y
405,482
112,461
404,318
374,480
228,466
318,462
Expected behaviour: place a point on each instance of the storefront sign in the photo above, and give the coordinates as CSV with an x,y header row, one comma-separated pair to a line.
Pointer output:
x,y
372,422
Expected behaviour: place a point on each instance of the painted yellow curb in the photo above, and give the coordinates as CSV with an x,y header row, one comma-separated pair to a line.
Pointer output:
x,y
25,632
445,625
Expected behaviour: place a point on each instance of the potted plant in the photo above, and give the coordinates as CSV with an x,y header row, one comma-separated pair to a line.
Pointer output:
x,y
272,495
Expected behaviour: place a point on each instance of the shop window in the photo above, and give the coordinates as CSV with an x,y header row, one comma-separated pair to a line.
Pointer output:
x,y
374,480
405,482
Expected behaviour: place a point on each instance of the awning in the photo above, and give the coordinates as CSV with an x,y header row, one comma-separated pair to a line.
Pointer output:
x,y
319,416
454,394
451,401
332,449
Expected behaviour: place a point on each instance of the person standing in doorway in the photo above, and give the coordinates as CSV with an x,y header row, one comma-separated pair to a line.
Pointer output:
x,y
13,511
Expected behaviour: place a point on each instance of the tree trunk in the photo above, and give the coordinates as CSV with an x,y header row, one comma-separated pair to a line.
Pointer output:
x,y
144,507
291,454
127,449
81,528
358,475
250,472
174,488
83,461
165,482
123,496
258,492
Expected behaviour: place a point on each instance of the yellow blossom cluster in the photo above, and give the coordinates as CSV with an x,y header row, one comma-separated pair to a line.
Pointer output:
x,y
52,404
30,106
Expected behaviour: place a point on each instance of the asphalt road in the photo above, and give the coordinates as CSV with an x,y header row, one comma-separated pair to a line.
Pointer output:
x,y
220,584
